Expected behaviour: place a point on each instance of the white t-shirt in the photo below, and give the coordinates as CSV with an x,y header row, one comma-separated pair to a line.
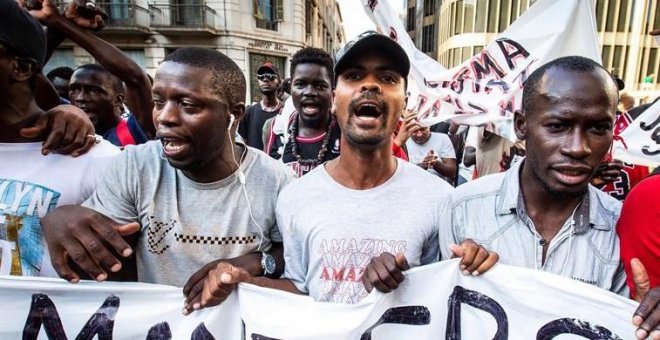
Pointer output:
x,y
331,232
31,185
438,142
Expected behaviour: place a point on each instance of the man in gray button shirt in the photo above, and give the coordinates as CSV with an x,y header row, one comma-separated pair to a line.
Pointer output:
x,y
543,213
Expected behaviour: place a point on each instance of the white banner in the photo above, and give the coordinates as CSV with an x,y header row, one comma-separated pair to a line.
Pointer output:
x,y
434,302
41,308
488,86
639,143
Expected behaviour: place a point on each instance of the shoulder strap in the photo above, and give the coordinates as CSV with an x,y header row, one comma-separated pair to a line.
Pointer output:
x,y
124,134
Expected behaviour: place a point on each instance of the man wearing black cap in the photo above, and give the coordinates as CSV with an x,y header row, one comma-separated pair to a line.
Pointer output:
x,y
31,184
252,124
339,216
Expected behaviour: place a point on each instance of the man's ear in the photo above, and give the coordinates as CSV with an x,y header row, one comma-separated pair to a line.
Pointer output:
x,y
238,109
23,70
520,124
332,108
119,99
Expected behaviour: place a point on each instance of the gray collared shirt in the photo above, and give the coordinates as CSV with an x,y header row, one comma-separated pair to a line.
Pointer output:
x,y
491,211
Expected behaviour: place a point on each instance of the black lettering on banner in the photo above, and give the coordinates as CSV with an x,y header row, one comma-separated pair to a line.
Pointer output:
x,y
655,136
159,331
486,67
201,333
405,315
479,301
42,310
575,326
511,51
261,337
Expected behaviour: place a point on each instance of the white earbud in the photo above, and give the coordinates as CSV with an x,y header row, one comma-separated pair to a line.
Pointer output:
x,y
232,118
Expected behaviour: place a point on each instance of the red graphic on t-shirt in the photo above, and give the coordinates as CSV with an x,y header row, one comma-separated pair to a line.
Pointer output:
x,y
343,263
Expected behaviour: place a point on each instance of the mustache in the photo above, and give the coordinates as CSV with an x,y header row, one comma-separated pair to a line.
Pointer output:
x,y
368,95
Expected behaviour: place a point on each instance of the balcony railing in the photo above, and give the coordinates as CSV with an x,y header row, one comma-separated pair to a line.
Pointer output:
x,y
267,24
126,15
182,16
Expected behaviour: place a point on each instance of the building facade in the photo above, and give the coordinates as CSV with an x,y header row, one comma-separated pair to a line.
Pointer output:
x,y
250,32
455,30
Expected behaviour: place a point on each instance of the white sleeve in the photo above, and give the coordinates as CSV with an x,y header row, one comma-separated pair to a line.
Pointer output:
x,y
445,148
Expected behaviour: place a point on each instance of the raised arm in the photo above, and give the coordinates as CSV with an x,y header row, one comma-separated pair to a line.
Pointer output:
x,y
136,82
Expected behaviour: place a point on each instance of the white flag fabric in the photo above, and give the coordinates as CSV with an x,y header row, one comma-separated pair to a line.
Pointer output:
x,y
438,302
45,308
639,143
487,88
434,302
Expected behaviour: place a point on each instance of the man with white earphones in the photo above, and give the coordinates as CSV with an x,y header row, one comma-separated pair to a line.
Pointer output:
x,y
196,197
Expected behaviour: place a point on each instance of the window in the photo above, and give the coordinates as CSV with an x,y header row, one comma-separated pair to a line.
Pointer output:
x,y
268,13
466,54
514,10
616,60
468,23
492,16
63,57
429,7
410,23
458,23
457,57
652,68
607,53
623,10
308,16
428,38
137,55
611,8
450,59
478,49
480,20
600,15
505,8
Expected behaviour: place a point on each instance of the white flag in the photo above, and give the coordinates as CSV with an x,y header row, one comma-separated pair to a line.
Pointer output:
x,y
639,143
487,88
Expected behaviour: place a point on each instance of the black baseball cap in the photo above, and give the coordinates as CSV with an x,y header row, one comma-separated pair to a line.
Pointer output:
x,y
21,33
370,41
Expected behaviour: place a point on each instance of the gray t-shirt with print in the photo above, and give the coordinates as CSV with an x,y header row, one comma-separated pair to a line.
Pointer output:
x,y
186,224
331,232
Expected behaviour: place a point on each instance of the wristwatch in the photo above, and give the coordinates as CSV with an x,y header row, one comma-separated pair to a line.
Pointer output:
x,y
267,264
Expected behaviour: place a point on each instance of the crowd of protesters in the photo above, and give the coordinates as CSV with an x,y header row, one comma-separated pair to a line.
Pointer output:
x,y
106,174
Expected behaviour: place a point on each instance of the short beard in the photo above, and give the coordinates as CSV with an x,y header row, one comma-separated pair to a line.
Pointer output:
x,y
536,171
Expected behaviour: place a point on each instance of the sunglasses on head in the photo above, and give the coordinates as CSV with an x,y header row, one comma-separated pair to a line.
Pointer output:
x,y
266,76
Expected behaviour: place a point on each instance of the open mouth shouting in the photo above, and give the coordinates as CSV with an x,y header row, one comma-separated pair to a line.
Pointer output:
x,y
368,111
173,146
310,108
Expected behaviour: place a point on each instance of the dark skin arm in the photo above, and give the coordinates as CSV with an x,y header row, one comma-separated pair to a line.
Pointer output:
x,y
224,277
445,166
385,272
89,239
250,263
137,84
67,131
470,156
647,316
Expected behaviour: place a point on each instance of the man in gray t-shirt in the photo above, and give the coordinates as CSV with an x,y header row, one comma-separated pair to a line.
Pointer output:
x,y
193,203
343,222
